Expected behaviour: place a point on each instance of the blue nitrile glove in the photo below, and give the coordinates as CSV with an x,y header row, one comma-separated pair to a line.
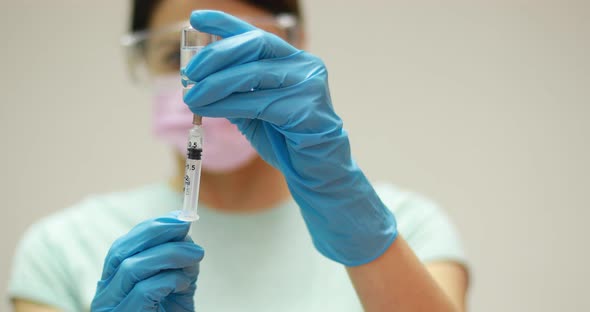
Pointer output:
x,y
278,97
154,267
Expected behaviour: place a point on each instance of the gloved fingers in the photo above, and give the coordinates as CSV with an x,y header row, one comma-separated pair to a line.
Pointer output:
x,y
260,75
244,48
266,105
183,301
169,256
219,23
147,294
261,90
145,235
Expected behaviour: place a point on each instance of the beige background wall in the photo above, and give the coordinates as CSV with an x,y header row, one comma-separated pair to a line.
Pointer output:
x,y
484,107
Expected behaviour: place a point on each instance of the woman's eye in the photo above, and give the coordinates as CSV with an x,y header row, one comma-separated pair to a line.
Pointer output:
x,y
172,59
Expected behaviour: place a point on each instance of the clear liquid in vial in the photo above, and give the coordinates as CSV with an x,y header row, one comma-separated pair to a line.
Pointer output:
x,y
186,54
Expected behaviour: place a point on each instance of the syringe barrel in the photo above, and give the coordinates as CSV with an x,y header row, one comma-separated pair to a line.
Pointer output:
x,y
192,177
191,191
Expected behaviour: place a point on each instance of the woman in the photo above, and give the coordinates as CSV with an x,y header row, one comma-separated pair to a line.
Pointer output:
x,y
289,159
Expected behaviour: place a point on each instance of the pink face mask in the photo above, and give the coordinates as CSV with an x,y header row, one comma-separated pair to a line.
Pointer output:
x,y
224,148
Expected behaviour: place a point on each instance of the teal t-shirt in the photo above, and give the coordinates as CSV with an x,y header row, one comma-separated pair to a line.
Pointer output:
x,y
253,262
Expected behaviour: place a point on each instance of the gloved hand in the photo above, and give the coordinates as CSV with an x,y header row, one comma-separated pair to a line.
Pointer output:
x,y
154,267
278,97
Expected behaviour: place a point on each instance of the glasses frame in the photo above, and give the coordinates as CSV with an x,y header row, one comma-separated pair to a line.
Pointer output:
x,y
134,42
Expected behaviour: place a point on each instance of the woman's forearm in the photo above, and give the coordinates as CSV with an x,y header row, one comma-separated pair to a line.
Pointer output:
x,y
398,281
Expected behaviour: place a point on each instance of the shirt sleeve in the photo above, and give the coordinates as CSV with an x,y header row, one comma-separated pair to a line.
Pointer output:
x,y
39,272
424,225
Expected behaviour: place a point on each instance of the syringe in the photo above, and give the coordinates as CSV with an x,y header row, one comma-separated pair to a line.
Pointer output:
x,y
192,41
192,177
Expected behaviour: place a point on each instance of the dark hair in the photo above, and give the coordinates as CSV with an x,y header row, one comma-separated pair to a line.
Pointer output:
x,y
143,10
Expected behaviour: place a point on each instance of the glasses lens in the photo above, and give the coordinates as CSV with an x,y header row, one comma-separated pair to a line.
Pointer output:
x,y
162,53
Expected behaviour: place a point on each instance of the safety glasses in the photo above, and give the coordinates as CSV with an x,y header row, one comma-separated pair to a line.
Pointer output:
x,y
157,52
